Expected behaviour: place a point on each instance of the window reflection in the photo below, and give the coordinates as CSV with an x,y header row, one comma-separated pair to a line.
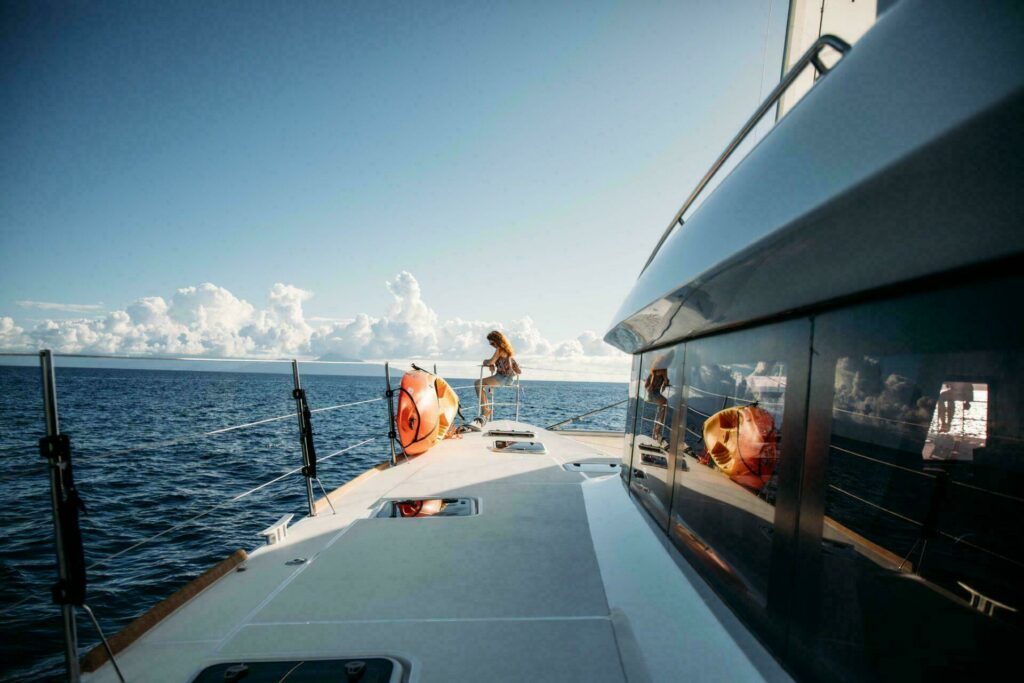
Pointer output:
x,y
739,407
726,468
658,401
960,422
657,389
631,411
922,502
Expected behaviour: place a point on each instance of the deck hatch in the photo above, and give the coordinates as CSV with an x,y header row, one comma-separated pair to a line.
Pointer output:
x,y
364,670
518,447
429,507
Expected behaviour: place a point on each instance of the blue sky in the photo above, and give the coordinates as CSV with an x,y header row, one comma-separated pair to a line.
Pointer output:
x,y
518,159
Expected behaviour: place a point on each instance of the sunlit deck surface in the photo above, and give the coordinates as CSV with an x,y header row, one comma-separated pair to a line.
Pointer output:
x,y
608,443
559,577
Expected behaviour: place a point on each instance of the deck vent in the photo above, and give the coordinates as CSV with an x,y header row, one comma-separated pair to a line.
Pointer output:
x,y
278,531
593,469
429,507
518,447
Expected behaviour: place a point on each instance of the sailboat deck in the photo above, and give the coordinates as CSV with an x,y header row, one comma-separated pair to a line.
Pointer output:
x,y
558,577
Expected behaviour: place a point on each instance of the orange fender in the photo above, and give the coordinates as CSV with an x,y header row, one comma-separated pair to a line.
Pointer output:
x,y
417,417
742,443
448,408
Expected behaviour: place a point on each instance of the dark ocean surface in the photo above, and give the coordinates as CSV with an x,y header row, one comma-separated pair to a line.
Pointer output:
x,y
134,490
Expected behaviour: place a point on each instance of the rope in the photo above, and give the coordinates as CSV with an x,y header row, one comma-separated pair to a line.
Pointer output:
x,y
345,450
216,507
347,405
877,507
127,356
18,604
583,415
610,373
223,430
734,398
953,482
694,410
941,533
879,417
201,435
881,462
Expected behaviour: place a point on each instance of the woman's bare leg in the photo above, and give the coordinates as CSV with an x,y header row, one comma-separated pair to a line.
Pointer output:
x,y
659,416
481,392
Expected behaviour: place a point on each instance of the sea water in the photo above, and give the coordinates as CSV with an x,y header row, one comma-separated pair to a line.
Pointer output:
x,y
135,485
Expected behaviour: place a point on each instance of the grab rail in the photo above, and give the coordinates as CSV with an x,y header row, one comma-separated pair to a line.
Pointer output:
x,y
811,57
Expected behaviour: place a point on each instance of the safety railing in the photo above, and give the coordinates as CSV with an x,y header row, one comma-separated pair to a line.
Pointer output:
x,y
581,416
490,391
70,590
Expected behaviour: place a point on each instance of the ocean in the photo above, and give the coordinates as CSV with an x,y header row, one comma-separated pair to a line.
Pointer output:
x,y
136,485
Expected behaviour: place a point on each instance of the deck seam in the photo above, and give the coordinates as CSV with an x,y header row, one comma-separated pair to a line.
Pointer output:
x,y
428,620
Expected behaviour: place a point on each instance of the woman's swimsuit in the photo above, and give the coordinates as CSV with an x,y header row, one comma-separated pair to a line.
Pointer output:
x,y
504,369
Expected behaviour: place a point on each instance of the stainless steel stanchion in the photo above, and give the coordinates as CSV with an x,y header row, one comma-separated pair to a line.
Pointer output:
x,y
56,448
305,437
390,394
518,391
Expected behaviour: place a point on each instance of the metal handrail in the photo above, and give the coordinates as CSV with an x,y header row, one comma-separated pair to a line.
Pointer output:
x,y
491,403
811,57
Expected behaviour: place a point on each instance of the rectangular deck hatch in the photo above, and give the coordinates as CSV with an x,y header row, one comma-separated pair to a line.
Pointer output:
x,y
428,507
509,446
362,669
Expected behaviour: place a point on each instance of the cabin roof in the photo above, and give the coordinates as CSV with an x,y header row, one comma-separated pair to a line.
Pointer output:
x,y
893,167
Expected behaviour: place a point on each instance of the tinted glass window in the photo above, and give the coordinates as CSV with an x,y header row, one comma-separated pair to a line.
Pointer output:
x,y
631,406
658,402
920,552
727,470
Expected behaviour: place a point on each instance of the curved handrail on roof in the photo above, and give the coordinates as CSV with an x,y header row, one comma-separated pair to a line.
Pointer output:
x,y
811,57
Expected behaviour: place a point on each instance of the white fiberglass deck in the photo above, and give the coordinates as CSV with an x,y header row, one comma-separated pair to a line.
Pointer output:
x,y
559,577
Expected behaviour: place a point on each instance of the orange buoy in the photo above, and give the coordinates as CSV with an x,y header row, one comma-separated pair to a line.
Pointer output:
x,y
742,443
427,407
416,419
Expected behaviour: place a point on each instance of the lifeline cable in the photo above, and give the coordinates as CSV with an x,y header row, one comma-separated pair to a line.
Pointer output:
x,y
237,498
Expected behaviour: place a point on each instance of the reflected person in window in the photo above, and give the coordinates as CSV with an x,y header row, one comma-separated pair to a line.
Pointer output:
x,y
950,394
655,385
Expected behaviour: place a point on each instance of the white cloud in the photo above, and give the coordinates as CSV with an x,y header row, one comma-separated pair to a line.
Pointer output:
x,y
208,320
50,306
11,336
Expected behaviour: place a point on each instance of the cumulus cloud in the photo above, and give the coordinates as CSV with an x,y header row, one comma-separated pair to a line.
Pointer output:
x,y
209,320
11,336
411,329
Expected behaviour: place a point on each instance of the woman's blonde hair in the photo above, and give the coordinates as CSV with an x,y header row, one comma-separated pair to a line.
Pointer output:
x,y
502,342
